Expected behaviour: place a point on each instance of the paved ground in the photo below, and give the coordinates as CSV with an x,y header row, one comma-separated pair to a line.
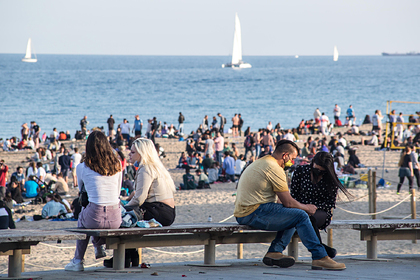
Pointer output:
x,y
397,267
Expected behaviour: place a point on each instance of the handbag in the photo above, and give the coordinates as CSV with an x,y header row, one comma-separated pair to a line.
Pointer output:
x,y
83,196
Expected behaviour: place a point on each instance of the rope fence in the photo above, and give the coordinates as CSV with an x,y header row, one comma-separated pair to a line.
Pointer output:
x,y
380,212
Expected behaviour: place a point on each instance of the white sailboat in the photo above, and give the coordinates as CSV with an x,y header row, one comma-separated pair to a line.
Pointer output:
x,y
28,55
237,48
335,56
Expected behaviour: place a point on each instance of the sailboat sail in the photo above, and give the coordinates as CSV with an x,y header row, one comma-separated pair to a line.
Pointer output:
x,y
237,42
28,55
29,49
237,48
335,53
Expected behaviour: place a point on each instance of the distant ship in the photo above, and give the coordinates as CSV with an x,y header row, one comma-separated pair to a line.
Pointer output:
x,y
401,54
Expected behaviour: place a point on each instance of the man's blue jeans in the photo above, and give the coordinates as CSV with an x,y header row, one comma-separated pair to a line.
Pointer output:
x,y
276,217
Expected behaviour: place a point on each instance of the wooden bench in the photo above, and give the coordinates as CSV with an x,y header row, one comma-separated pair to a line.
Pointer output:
x,y
208,234
231,233
373,230
14,243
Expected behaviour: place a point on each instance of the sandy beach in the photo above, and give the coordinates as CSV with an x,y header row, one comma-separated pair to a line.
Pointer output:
x,y
195,206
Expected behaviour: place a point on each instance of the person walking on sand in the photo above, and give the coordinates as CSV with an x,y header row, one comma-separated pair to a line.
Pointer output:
x,y
75,159
317,115
400,127
337,113
83,126
138,126
181,120
110,122
64,162
325,121
222,123
263,183
125,130
36,131
350,114
241,123
235,125
406,169
377,123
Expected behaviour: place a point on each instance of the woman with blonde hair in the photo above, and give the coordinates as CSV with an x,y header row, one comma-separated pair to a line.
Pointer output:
x,y
406,169
100,174
154,189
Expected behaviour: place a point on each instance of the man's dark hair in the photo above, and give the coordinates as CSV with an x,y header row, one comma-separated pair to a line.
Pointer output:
x,y
227,153
286,146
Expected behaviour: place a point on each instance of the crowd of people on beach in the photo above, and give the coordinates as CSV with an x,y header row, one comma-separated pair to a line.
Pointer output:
x,y
141,188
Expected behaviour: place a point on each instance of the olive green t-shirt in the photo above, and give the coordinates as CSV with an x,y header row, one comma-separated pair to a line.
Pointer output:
x,y
258,185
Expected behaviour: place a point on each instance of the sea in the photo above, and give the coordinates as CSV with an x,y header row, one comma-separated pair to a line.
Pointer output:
x,y
59,90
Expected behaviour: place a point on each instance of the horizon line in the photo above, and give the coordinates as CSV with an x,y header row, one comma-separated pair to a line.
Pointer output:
x,y
380,54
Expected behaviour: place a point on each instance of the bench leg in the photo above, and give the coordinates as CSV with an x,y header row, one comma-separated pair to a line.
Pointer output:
x,y
372,248
15,264
210,252
119,257
293,248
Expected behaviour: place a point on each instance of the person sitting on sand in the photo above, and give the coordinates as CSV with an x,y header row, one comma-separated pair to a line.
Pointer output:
x,y
6,217
53,207
353,159
203,180
263,183
31,188
213,172
318,184
189,181
61,187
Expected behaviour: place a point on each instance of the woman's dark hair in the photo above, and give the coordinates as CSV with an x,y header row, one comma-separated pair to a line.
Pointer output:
x,y
57,198
99,155
326,160
121,154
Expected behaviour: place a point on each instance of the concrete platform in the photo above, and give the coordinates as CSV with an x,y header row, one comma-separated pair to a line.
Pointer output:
x,y
397,267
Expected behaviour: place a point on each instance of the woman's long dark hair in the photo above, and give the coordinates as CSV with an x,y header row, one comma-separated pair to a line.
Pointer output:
x,y
99,155
326,160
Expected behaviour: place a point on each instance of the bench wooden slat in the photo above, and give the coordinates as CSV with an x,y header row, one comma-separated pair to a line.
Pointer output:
x,y
13,235
177,228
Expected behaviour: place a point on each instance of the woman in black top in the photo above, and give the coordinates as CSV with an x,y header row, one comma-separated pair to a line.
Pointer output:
x,y
353,159
406,169
318,184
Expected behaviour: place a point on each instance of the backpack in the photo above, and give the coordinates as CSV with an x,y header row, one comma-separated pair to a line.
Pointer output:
x,y
247,142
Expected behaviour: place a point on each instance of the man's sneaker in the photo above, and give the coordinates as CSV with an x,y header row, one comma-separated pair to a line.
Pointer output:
x,y
327,263
72,266
278,259
100,252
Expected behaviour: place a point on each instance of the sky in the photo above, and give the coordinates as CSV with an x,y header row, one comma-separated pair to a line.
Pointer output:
x,y
202,27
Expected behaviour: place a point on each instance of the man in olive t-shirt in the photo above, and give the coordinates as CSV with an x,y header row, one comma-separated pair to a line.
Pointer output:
x,y
261,184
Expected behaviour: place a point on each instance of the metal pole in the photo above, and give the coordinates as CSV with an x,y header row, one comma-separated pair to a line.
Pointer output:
x,y
373,183
413,207
369,183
